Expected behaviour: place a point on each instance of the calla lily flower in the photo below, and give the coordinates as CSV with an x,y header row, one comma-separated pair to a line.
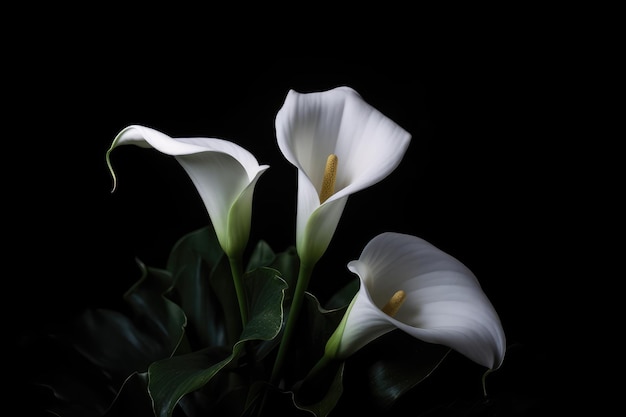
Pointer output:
x,y
409,284
340,145
224,174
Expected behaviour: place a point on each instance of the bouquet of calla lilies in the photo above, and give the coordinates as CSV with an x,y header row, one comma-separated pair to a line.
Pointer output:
x,y
230,328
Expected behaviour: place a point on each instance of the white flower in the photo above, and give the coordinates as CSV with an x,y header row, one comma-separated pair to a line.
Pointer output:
x,y
364,147
224,174
408,284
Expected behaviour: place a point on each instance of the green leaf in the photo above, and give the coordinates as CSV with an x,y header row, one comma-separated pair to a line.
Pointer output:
x,y
194,293
331,380
169,380
266,291
226,310
316,326
288,264
132,398
119,344
73,385
262,255
385,369
201,243
102,348
205,290
115,344
153,311
317,395
317,392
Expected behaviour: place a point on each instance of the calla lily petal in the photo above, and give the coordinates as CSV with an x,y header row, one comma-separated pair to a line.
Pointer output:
x,y
224,174
368,145
444,302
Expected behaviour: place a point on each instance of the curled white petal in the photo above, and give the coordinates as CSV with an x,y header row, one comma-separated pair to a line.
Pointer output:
x,y
223,172
368,145
444,301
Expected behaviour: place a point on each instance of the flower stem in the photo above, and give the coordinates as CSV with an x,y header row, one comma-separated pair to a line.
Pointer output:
x,y
237,272
304,275
319,366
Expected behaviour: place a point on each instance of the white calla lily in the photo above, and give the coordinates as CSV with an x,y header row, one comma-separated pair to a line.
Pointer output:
x,y
224,174
340,145
367,146
439,300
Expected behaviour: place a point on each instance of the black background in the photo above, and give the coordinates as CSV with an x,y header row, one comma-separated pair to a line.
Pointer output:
x,y
481,179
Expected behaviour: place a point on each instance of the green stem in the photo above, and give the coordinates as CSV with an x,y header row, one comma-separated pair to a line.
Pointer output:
x,y
237,272
319,366
304,275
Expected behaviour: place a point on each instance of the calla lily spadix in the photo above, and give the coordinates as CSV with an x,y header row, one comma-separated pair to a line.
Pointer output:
x,y
224,174
409,284
340,145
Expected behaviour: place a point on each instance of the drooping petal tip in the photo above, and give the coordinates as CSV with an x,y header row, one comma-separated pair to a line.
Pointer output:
x,y
223,173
